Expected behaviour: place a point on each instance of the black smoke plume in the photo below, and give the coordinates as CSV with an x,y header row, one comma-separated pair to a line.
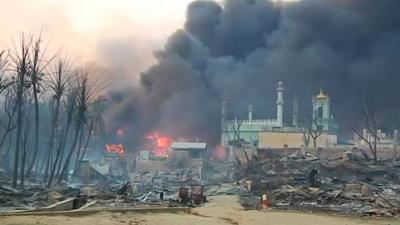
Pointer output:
x,y
349,48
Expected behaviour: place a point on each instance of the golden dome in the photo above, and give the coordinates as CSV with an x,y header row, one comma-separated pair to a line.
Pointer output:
x,y
322,96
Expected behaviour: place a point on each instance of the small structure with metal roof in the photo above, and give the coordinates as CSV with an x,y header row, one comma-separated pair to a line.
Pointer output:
x,y
195,149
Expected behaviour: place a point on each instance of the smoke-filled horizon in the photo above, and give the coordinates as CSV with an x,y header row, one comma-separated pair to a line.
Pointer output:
x,y
349,48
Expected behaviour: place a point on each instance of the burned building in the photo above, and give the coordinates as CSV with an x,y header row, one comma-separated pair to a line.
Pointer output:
x,y
188,155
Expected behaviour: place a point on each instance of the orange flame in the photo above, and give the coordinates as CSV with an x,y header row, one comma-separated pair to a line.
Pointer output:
x,y
113,148
162,143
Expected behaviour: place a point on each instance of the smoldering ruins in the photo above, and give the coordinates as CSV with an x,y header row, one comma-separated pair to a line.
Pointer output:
x,y
287,105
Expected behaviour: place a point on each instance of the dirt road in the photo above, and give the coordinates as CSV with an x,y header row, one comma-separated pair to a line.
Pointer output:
x,y
221,210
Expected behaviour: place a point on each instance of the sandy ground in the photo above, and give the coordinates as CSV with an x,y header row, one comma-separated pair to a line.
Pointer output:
x,y
221,210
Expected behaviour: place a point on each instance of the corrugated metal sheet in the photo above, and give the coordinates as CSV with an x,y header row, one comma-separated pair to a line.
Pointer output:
x,y
189,145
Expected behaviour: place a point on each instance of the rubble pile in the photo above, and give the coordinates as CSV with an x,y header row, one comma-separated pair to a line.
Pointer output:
x,y
160,189
305,182
153,189
141,190
35,197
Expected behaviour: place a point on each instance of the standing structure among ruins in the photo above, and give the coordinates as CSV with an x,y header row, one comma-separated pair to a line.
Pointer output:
x,y
273,132
295,113
279,104
322,112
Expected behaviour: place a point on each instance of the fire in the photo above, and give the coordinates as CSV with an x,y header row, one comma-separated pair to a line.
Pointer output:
x,y
161,143
113,148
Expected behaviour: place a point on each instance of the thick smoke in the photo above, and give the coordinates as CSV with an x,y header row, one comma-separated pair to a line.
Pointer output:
x,y
349,48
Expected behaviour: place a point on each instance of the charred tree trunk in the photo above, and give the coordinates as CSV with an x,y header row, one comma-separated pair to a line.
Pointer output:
x,y
54,123
79,149
89,135
315,142
24,155
63,142
37,68
61,148
85,91
20,90
64,170
58,86
372,127
314,129
36,132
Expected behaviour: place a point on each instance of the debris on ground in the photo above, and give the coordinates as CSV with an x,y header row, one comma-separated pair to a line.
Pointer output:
x,y
297,181
305,182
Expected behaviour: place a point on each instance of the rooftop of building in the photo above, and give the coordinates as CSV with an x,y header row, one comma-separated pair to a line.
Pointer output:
x,y
189,145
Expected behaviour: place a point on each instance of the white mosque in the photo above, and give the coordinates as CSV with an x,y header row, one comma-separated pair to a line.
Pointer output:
x,y
274,133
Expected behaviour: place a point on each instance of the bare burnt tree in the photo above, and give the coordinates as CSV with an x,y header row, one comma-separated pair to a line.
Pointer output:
x,y
20,65
87,88
58,82
313,129
69,105
92,118
25,80
370,124
235,126
25,138
94,127
38,66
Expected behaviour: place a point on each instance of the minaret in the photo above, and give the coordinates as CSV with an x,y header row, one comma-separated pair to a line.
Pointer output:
x,y
224,115
279,103
321,110
250,109
295,115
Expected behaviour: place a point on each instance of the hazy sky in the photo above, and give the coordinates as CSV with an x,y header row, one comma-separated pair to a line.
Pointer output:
x,y
78,26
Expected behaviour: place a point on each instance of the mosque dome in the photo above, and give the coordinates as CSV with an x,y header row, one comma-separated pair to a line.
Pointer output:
x,y
322,96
